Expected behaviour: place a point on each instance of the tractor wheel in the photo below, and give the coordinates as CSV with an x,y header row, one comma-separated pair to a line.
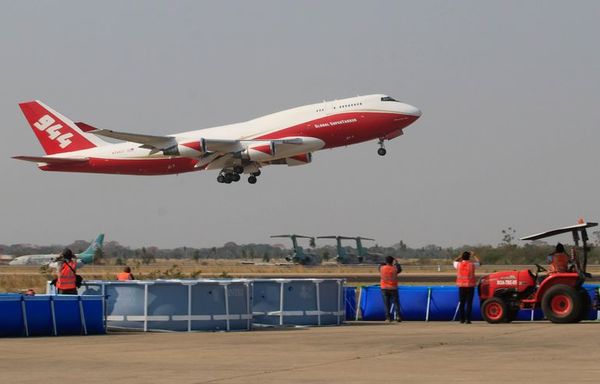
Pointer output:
x,y
562,304
494,310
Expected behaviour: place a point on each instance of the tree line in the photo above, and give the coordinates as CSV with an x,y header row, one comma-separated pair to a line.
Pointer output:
x,y
506,252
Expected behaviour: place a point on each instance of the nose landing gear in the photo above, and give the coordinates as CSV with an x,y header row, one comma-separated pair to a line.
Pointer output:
x,y
381,151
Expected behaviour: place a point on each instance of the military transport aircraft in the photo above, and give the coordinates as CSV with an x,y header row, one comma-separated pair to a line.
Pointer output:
x,y
299,256
343,256
287,137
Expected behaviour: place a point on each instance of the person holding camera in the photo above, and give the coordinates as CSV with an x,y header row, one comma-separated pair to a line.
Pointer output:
x,y
466,282
66,267
389,287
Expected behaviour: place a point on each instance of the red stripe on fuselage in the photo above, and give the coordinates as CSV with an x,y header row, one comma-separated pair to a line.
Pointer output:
x,y
145,167
346,128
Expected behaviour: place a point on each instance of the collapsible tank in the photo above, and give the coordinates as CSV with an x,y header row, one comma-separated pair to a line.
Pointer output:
x,y
299,301
176,305
50,315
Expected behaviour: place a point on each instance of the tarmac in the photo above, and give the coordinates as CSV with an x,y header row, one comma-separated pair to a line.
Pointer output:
x,y
408,352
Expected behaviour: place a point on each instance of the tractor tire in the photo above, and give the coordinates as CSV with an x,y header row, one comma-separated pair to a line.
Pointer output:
x,y
562,304
494,310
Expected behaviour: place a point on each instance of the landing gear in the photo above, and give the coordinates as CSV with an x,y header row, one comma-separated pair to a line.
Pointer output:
x,y
381,151
234,174
228,177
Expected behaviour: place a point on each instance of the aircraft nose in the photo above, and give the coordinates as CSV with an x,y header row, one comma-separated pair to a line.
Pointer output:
x,y
408,109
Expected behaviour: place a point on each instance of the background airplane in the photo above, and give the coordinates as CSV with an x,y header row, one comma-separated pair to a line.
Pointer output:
x,y
343,256
288,137
299,256
85,257
368,257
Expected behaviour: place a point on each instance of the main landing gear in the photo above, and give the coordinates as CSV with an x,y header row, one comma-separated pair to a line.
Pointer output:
x,y
381,151
228,176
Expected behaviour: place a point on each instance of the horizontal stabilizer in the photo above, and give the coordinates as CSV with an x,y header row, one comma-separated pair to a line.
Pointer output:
x,y
52,160
85,127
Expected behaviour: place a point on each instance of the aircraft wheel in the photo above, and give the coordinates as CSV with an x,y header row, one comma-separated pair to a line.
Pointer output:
x,y
381,151
236,177
221,179
252,179
257,173
238,169
228,178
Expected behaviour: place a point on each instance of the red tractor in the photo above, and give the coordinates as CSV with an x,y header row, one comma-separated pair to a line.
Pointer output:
x,y
560,295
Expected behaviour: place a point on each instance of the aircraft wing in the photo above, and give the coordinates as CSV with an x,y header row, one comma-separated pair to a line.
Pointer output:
x,y
52,160
149,141
164,142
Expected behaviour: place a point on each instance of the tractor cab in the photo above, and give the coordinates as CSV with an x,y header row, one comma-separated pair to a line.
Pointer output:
x,y
559,294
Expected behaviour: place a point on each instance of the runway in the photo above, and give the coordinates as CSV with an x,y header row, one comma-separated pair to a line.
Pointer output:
x,y
409,352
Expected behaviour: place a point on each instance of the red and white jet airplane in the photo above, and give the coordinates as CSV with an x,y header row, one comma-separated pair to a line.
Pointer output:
x,y
287,137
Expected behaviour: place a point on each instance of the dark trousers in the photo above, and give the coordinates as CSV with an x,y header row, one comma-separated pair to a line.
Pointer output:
x,y
390,296
67,291
465,302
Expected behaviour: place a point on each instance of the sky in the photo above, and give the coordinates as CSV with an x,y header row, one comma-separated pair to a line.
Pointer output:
x,y
509,134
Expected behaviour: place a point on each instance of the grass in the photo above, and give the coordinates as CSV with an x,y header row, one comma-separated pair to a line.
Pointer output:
x,y
21,278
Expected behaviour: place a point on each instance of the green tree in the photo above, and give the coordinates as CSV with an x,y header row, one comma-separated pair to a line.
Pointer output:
x,y
196,255
508,236
266,258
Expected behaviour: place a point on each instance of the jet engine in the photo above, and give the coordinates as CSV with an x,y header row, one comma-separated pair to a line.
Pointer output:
x,y
189,149
301,159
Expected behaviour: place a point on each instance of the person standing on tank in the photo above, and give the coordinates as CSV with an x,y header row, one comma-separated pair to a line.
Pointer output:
x,y
466,282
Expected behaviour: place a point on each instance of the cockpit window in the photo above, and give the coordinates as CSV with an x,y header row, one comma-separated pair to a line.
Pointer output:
x,y
387,98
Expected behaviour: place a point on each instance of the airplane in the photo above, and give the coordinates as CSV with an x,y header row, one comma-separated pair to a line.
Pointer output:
x,y
299,256
85,257
343,257
287,137
366,255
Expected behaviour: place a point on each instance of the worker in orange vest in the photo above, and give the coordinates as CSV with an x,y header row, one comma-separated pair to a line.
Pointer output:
x,y
389,286
66,266
125,275
559,261
465,280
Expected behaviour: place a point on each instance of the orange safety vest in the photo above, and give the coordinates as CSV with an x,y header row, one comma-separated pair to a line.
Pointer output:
x,y
560,263
124,276
389,277
66,277
465,275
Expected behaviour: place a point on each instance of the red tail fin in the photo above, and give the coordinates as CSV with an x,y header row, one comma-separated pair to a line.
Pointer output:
x,y
56,133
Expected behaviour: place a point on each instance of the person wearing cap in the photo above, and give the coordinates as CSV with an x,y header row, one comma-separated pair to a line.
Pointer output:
x,y
466,282
125,275
66,267
389,286
559,260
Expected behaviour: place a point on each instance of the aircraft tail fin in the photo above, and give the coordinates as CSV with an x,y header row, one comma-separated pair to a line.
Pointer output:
x,y
87,256
55,132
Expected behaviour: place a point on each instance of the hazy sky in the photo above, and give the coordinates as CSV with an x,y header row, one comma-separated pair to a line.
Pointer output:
x,y
509,135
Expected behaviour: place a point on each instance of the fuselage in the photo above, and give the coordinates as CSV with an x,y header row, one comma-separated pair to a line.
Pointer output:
x,y
323,125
